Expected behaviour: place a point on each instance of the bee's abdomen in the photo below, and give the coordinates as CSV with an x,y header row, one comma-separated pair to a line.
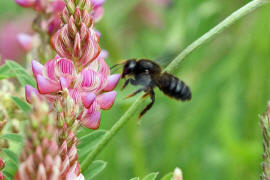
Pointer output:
x,y
174,87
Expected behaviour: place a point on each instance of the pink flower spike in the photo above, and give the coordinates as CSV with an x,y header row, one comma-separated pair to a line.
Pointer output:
x,y
91,120
37,68
112,82
106,100
26,41
29,91
46,86
26,3
88,100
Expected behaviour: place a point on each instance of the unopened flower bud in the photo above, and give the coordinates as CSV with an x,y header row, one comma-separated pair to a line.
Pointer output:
x,y
177,174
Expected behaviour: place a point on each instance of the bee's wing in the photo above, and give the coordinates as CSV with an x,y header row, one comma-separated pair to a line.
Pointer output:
x,y
165,59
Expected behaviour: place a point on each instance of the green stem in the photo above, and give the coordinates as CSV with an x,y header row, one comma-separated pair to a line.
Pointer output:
x,y
214,31
116,127
202,40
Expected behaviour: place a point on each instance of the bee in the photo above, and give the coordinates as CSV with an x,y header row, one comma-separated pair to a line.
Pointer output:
x,y
149,75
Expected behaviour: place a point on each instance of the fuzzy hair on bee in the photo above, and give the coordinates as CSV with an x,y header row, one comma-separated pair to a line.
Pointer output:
x,y
148,74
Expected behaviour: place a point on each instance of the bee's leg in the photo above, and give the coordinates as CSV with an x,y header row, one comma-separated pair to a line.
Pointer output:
x,y
136,92
130,80
125,84
152,96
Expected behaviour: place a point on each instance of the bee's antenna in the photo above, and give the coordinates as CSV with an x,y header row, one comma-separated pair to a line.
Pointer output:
x,y
117,65
114,66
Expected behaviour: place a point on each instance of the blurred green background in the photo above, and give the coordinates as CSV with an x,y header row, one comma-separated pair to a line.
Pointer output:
x,y
216,135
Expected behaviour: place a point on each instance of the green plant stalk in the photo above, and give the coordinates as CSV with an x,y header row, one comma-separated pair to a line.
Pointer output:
x,y
108,136
248,8
170,68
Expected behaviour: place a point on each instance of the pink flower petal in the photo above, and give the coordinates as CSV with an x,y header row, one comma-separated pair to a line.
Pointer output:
x,y
106,100
58,6
29,91
88,100
64,83
26,3
98,13
26,41
75,94
97,2
112,82
50,69
37,68
46,86
64,66
92,120
90,79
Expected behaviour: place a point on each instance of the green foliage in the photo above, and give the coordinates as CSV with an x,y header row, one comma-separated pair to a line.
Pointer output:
x,y
20,73
21,104
5,72
136,178
11,163
168,176
151,176
12,69
13,137
94,169
88,142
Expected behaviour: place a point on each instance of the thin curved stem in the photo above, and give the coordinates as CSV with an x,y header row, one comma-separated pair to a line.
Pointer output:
x,y
214,31
170,68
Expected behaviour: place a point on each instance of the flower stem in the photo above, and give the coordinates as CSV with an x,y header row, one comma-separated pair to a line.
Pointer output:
x,y
116,127
214,31
170,68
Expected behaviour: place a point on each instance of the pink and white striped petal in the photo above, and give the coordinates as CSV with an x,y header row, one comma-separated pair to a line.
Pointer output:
x,y
50,69
46,85
37,68
89,80
65,72
112,82
88,99
106,100
91,120
29,92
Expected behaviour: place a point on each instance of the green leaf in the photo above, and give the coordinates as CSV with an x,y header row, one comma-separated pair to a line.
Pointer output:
x,y
24,106
11,168
7,175
94,169
136,178
88,142
5,72
11,155
168,176
151,176
21,73
13,137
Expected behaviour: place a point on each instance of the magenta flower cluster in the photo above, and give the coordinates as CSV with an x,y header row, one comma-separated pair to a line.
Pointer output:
x,y
79,67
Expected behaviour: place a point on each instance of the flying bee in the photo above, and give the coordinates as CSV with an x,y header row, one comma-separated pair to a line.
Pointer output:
x,y
149,75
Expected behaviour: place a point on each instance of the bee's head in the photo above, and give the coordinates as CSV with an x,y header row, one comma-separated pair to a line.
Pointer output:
x,y
129,67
